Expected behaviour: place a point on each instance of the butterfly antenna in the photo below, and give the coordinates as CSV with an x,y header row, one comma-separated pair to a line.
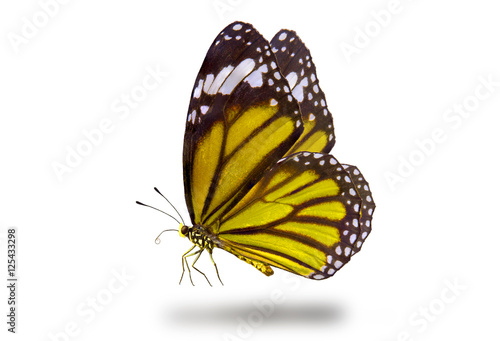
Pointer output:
x,y
158,191
178,222
157,240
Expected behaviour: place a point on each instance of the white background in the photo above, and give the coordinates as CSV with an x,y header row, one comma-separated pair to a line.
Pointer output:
x,y
437,225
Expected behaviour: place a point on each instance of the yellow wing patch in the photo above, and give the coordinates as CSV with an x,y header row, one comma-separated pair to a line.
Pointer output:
x,y
333,210
311,140
237,167
324,234
246,124
205,165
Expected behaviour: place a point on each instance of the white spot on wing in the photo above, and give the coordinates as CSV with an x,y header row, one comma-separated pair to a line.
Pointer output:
x,y
208,82
238,74
255,78
282,36
197,90
292,79
221,77
298,91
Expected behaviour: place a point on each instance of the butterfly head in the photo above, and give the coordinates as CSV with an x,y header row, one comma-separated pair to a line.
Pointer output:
x,y
183,230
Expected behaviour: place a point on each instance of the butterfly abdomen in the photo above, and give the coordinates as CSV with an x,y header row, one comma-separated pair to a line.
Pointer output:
x,y
262,267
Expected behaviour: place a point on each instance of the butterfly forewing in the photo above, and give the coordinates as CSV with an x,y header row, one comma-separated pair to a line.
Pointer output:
x,y
295,62
367,205
241,120
308,217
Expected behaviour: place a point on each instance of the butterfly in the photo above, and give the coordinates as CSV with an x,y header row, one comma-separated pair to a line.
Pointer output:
x,y
259,182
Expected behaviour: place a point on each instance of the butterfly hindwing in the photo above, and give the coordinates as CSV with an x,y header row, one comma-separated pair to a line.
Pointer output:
x,y
308,217
295,62
241,120
367,205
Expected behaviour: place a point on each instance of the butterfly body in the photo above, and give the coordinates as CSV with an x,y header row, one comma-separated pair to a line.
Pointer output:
x,y
199,236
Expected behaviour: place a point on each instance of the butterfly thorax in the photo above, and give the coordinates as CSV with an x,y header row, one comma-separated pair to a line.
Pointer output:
x,y
197,235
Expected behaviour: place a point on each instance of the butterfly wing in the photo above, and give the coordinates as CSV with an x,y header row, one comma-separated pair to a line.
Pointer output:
x,y
295,62
367,205
308,217
241,120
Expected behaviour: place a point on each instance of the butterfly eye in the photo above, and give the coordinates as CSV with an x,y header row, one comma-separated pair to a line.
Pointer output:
x,y
184,231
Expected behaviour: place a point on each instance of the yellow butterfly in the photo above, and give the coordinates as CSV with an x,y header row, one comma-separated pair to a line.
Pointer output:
x,y
257,177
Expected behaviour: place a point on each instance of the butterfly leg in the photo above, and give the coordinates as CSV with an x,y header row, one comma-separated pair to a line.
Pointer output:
x,y
184,260
216,270
199,252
